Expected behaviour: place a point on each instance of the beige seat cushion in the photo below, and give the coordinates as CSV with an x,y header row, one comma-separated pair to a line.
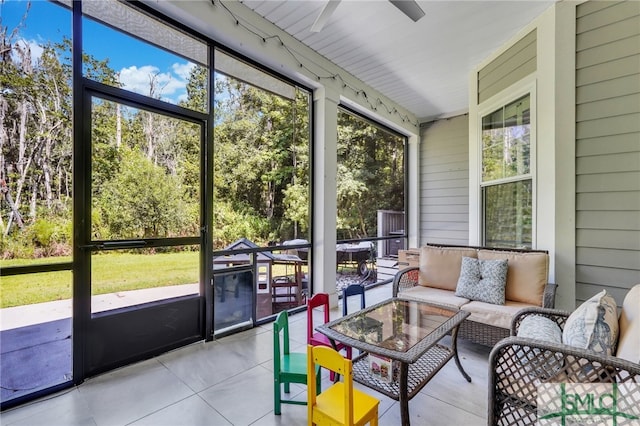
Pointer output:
x,y
440,266
527,274
445,298
496,315
629,340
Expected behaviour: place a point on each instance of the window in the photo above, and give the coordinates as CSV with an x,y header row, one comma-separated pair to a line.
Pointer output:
x,y
262,183
261,156
507,183
371,183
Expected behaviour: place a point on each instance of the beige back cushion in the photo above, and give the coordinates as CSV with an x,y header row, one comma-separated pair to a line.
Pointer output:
x,y
527,274
440,266
629,340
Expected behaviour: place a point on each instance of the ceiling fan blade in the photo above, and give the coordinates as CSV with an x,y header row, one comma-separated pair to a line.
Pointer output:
x,y
409,8
324,16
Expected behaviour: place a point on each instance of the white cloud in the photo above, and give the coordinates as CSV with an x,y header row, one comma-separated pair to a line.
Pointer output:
x,y
138,79
183,70
36,50
170,86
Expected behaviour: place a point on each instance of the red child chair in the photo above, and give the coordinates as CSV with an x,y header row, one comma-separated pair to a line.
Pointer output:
x,y
316,338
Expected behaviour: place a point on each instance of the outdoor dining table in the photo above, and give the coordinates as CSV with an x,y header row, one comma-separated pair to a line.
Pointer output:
x,y
400,343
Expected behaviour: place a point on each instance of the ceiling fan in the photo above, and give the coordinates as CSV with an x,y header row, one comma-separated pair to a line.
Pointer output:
x,y
408,7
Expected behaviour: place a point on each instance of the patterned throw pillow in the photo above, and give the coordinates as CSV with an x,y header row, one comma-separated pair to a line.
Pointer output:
x,y
593,325
482,280
538,362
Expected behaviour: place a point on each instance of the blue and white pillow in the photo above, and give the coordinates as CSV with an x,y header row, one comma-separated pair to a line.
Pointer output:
x,y
594,325
536,362
482,280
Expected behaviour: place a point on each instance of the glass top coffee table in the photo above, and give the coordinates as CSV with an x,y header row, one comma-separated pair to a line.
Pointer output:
x,y
400,341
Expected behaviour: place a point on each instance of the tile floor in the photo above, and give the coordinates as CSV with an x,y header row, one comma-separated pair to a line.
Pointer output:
x,y
229,382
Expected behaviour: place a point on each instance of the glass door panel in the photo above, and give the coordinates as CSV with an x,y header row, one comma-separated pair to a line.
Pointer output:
x,y
145,244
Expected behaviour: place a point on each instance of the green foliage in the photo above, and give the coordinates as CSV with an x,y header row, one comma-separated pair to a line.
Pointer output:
x,y
142,201
197,89
146,168
352,200
232,224
106,157
370,175
43,232
261,161
49,235
17,245
506,141
296,201
508,211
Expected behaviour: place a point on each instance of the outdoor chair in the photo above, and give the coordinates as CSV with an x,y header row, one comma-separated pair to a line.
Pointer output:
x,y
315,338
340,404
528,370
352,290
288,367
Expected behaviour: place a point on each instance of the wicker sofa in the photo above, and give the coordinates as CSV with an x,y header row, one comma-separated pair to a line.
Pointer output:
x,y
520,368
435,280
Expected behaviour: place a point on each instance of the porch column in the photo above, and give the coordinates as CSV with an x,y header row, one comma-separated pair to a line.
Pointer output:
x,y
324,191
412,193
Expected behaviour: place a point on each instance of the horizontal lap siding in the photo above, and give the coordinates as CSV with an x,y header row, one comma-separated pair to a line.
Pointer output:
x,y
607,148
444,182
511,66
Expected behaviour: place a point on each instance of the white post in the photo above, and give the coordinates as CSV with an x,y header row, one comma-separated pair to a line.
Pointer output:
x,y
325,192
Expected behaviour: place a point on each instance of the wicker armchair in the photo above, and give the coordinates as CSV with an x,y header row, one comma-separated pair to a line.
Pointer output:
x,y
513,386
484,334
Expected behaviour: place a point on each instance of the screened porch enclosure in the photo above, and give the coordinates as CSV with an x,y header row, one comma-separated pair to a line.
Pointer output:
x,y
174,161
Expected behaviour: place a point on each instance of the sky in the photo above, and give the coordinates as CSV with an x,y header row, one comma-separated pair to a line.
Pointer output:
x,y
135,61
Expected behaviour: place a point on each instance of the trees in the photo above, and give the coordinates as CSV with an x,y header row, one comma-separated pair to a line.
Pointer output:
x,y
35,143
146,167
131,210
261,160
370,175
261,165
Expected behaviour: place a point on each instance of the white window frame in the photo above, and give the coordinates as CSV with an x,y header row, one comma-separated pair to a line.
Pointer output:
x,y
489,106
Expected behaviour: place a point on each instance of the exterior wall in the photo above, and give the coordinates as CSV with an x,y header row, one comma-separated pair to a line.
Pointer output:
x,y
514,64
551,84
607,148
444,181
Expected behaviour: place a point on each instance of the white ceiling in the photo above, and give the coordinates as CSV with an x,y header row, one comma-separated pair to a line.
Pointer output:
x,y
423,66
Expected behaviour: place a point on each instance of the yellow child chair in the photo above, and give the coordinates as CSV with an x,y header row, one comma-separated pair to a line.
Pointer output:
x,y
340,404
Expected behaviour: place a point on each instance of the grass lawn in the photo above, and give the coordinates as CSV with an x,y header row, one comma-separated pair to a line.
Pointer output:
x,y
111,272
